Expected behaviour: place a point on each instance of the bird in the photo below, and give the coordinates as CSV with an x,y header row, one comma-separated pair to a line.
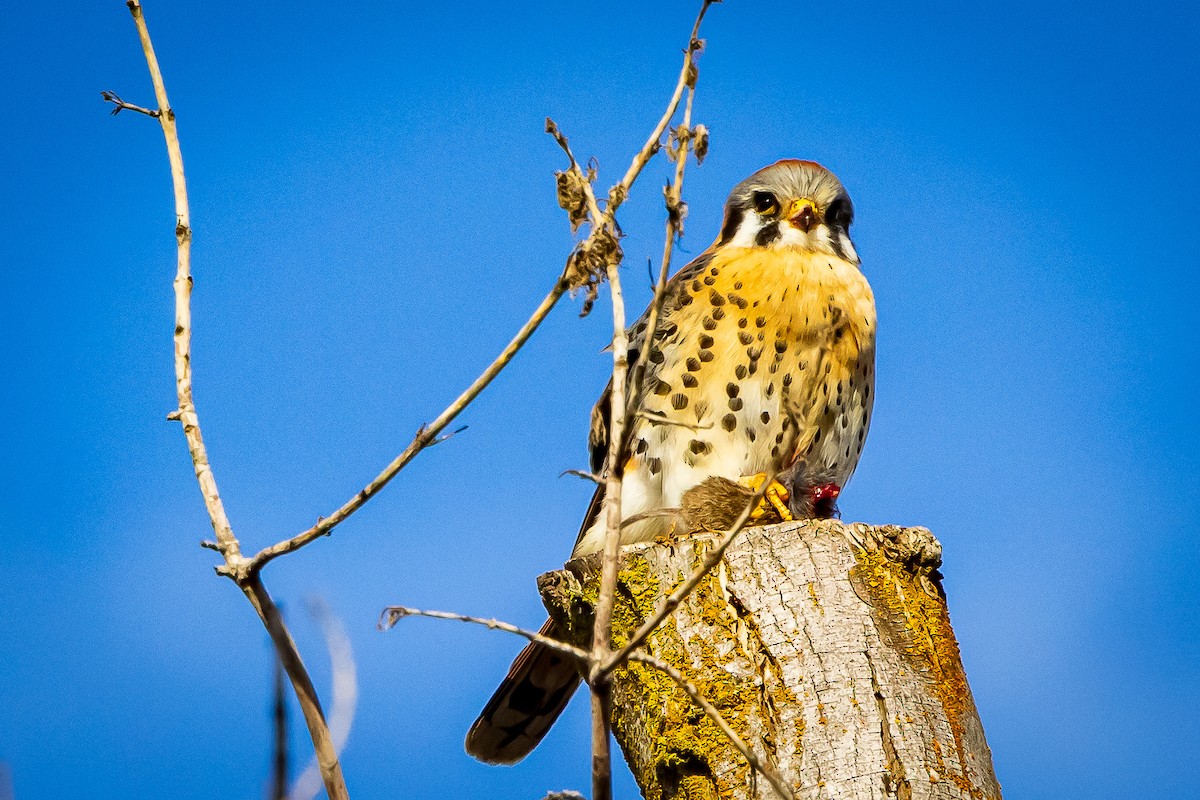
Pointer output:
x,y
762,363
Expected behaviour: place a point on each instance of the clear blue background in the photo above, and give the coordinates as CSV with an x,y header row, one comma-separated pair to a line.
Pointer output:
x,y
373,204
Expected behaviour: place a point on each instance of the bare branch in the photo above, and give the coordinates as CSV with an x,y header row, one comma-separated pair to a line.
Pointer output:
x,y
676,211
393,614
279,762
684,589
120,105
618,422
658,419
306,694
764,769
425,437
345,693
226,541
587,476
618,193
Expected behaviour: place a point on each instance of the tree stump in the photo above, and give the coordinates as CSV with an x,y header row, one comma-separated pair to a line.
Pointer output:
x,y
826,646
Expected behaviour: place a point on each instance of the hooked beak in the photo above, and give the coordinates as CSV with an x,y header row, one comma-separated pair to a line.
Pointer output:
x,y
803,214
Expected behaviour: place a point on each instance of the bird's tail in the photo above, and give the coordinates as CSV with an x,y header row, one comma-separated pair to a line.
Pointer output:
x,y
532,695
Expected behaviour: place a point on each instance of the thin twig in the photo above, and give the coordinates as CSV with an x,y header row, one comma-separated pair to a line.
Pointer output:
x,y
306,694
393,614
120,105
602,628
579,473
226,543
764,769
619,192
426,436
658,419
681,592
618,421
676,209
279,761
345,693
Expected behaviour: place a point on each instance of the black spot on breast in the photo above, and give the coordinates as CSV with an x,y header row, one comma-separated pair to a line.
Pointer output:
x,y
706,341
760,321
715,298
718,313
737,300
780,346
766,234
641,446
690,381
770,389
662,388
655,465
699,446
685,299
744,337
714,272
693,365
787,380
753,368
735,404
709,280
708,323
679,401
765,417
705,355
656,356
732,389
729,422
740,371
737,284
779,438
751,434
696,286
754,353
743,322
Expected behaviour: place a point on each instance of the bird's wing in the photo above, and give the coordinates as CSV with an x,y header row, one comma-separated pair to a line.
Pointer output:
x,y
598,435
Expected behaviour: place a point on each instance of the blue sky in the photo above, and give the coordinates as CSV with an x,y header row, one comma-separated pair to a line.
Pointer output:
x,y
373,206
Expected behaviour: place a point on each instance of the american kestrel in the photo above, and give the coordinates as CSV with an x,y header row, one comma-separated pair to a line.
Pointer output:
x,y
765,349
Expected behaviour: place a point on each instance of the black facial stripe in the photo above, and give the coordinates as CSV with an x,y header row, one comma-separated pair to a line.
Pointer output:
x,y
733,221
767,234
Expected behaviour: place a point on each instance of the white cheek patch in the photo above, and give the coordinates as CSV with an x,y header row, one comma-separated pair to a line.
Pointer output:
x,y
819,240
848,249
747,231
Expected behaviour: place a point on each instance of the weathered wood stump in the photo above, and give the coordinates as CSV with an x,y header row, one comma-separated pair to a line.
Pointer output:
x,y
828,648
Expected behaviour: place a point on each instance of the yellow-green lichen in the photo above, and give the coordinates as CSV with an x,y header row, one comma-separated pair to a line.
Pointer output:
x,y
916,620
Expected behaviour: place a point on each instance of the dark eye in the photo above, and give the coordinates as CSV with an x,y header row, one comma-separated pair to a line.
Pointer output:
x,y
840,214
765,203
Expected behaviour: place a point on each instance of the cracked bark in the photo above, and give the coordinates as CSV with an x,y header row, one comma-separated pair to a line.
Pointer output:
x,y
827,647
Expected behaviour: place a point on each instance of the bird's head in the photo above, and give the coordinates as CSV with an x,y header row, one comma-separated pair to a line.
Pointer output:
x,y
790,204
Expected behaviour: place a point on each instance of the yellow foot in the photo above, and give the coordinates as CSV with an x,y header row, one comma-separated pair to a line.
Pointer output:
x,y
777,495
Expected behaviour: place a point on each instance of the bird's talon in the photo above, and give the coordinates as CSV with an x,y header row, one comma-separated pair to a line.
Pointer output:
x,y
774,498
